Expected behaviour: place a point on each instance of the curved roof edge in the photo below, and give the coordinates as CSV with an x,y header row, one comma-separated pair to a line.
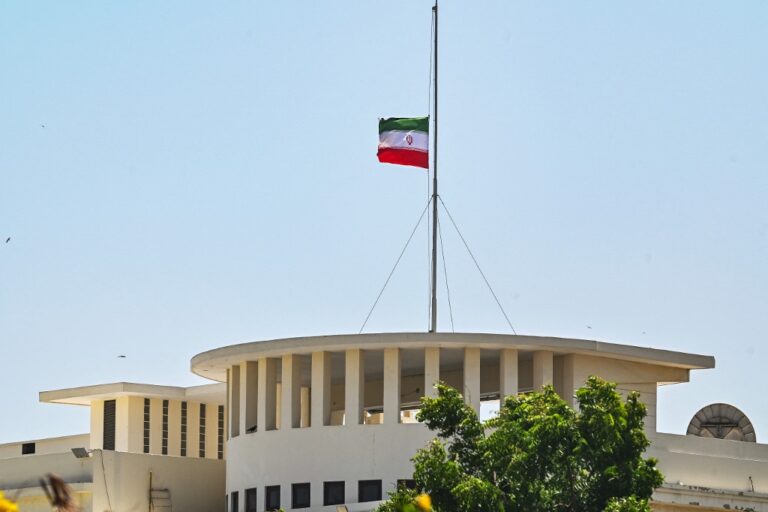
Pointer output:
x,y
212,364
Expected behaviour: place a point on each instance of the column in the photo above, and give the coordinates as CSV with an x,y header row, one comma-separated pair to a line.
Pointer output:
x,y
354,387
391,386
508,372
321,389
472,377
267,405
305,402
243,402
228,403
291,392
234,401
249,396
569,381
431,370
543,368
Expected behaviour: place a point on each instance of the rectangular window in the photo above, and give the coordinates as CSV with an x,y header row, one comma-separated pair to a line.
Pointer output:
x,y
250,500
108,441
406,484
271,497
226,503
28,449
235,501
368,490
183,429
201,444
300,495
146,425
333,493
220,440
165,427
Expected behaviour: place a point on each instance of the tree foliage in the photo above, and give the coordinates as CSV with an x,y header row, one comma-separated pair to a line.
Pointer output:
x,y
538,454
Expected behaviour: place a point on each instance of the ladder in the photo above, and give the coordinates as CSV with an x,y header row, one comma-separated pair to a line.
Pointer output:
x,y
160,500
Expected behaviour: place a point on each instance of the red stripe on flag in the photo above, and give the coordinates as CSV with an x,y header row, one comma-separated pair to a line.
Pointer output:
x,y
404,157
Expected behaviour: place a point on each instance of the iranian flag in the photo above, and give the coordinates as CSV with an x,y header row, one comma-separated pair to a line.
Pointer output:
x,y
404,141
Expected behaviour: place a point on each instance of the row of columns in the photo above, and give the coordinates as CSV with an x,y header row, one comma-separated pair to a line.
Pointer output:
x,y
261,375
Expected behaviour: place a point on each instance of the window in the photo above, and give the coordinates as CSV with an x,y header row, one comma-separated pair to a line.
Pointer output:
x,y
108,441
226,503
165,427
406,484
368,490
272,497
333,493
28,449
146,425
235,501
184,429
220,440
201,444
250,500
299,495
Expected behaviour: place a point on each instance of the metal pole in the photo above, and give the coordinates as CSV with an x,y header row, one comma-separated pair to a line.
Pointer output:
x,y
433,327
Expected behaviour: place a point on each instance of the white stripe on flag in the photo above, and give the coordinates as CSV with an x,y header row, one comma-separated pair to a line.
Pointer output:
x,y
404,140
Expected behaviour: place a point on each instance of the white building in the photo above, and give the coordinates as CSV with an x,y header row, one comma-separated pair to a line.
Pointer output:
x,y
149,448
318,422
321,421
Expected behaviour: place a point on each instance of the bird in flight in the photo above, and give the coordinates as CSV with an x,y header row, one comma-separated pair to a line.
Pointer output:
x,y
7,239
42,126
121,356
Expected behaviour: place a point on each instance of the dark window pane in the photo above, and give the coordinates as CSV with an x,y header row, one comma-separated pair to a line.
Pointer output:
x,y
368,490
201,434
28,448
333,493
146,425
108,441
220,439
235,501
272,497
184,429
164,438
406,484
250,500
300,496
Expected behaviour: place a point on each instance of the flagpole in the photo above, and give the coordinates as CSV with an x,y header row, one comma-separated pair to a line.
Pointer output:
x,y
433,324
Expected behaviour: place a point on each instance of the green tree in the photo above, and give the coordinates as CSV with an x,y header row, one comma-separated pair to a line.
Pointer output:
x,y
537,455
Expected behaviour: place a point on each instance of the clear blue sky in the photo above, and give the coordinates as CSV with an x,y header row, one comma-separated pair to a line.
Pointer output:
x,y
177,176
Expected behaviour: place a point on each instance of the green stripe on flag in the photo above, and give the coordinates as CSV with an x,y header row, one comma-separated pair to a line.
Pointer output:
x,y
404,123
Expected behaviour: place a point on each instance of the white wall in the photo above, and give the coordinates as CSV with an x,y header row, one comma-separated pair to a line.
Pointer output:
x,y
318,454
26,471
712,463
196,485
46,446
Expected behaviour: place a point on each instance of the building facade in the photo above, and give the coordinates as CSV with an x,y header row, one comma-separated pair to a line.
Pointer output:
x,y
328,423
319,422
149,448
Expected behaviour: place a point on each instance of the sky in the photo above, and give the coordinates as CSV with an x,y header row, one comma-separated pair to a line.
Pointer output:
x,y
178,176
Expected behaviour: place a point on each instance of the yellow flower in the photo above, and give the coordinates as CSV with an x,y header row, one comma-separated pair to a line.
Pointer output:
x,y
424,502
7,505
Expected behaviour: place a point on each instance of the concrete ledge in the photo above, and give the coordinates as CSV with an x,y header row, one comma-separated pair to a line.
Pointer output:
x,y
84,395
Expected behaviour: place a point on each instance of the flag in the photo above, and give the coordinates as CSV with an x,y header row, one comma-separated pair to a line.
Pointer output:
x,y
404,141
